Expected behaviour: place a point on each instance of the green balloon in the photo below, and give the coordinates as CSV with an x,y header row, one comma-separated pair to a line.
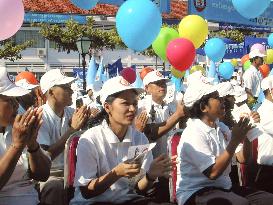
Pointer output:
x,y
247,65
161,42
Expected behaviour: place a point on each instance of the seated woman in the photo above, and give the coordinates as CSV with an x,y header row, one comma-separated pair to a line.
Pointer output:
x,y
21,158
104,171
205,152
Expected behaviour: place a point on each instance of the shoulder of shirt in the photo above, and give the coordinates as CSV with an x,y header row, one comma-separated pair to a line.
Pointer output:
x,y
192,131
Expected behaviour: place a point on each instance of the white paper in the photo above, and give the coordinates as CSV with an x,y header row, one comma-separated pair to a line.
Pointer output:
x,y
138,153
244,111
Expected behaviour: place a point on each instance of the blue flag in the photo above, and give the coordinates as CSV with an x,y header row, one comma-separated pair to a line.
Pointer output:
x,y
91,72
114,68
138,83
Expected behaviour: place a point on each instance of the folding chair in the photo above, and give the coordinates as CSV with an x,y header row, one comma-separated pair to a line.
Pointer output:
x,y
172,150
70,159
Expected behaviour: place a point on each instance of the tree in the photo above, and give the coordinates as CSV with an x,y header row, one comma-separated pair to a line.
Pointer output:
x,y
10,51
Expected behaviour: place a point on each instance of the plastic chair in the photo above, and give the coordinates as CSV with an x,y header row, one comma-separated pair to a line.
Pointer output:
x,y
70,159
172,150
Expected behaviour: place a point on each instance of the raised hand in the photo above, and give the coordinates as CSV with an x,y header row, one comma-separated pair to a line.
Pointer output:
x,y
240,130
79,118
141,121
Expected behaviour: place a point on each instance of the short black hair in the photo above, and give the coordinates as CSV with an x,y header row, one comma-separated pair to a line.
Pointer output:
x,y
196,110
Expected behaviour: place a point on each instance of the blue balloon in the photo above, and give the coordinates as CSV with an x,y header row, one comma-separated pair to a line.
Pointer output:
x,y
270,40
251,8
85,4
138,23
215,49
226,70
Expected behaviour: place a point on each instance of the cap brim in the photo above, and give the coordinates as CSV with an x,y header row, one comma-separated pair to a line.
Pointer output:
x,y
15,91
66,80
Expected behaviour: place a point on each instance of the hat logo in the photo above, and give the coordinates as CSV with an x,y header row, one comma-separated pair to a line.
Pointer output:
x,y
124,82
158,74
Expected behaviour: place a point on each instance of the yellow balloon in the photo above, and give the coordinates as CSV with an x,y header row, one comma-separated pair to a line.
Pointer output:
x,y
194,28
177,73
234,62
197,68
269,56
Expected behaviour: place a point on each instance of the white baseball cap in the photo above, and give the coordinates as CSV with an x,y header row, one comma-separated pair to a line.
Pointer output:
x,y
197,77
116,85
152,77
23,83
240,94
267,83
256,53
196,92
225,88
7,87
54,77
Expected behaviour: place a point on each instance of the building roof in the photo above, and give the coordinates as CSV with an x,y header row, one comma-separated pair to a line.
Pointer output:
x,y
178,8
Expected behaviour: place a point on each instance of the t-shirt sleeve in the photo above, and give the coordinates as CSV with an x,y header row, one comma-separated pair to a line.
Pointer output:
x,y
44,133
86,167
197,150
248,81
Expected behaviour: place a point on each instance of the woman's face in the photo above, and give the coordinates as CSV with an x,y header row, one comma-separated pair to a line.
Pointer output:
x,y
215,107
123,109
8,110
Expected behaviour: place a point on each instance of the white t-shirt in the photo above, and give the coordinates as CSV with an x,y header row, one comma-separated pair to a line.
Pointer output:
x,y
98,152
162,113
52,129
265,142
19,189
197,150
252,80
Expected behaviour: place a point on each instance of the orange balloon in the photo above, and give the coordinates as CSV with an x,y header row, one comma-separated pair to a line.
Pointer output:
x,y
29,76
265,70
244,59
144,72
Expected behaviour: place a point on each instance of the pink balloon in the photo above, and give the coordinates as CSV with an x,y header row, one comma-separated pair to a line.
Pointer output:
x,y
258,46
11,17
181,53
129,74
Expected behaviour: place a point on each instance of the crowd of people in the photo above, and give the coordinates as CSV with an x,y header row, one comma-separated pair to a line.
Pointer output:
x,y
123,154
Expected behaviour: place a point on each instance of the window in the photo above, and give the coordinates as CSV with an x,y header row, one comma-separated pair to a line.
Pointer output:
x,y
27,35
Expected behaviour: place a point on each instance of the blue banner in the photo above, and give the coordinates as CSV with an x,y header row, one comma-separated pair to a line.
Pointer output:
x,y
224,11
115,68
53,18
234,50
250,41
78,73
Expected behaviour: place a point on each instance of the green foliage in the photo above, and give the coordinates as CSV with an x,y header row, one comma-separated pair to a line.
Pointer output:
x,y
235,34
10,51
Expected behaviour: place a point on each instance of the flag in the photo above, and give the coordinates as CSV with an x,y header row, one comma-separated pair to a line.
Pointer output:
x,y
212,70
100,71
91,72
115,68
138,83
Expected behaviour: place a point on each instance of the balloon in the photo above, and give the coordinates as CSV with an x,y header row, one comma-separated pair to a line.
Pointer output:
x,y
215,49
247,65
244,59
258,46
251,8
226,70
234,62
194,28
129,74
161,42
11,17
181,53
270,40
29,76
138,23
177,73
265,70
269,56
85,4
144,72
197,68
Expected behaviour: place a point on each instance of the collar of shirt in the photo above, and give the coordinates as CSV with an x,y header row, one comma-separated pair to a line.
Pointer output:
x,y
112,138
